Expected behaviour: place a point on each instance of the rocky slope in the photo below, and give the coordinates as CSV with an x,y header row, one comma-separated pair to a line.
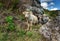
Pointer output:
x,y
51,30
12,21
14,8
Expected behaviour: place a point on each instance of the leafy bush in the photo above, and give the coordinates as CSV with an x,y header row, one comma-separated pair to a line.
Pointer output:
x,y
5,37
9,19
29,33
11,27
21,33
53,13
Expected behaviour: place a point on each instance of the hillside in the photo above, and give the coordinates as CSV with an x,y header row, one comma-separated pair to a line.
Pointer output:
x,y
12,21
14,24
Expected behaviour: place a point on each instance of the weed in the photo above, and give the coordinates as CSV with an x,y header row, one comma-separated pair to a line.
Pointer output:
x,y
9,19
4,37
29,33
21,33
11,27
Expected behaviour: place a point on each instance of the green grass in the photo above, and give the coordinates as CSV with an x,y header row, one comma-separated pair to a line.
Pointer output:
x,y
11,26
12,32
9,19
29,33
20,35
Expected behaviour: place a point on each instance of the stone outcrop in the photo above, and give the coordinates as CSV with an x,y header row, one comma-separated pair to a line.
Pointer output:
x,y
51,30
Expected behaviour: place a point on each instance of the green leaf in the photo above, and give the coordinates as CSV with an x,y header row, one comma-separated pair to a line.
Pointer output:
x,y
9,19
29,33
21,33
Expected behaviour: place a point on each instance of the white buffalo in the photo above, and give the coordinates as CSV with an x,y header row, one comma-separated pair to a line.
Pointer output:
x,y
31,19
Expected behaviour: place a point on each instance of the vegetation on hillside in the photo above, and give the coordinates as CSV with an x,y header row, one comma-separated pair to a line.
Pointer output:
x,y
10,29
52,14
11,19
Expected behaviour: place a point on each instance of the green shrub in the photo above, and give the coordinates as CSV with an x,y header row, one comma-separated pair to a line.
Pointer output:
x,y
5,37
11,27
52,14
29,33
9,19
21,33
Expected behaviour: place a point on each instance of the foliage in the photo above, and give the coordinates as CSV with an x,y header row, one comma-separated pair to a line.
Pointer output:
x,y
32,35
5,37
29,33
9,19
52,14
21,33
11,27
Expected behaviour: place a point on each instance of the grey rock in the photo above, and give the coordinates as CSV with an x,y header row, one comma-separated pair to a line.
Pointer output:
x,y
51,30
